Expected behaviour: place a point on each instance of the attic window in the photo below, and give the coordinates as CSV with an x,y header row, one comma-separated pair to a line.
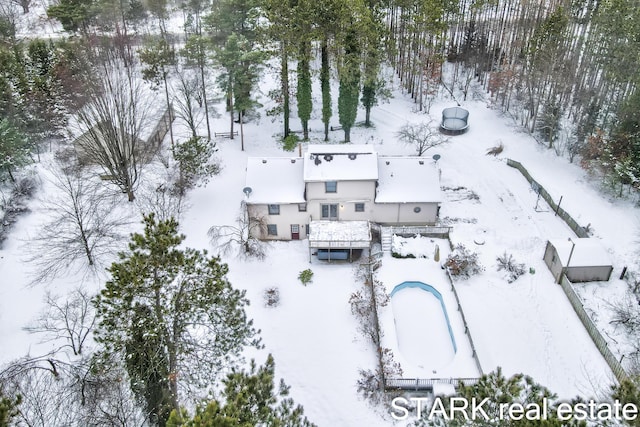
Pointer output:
x,y
421,162
417,209
293,160
264,161
387,162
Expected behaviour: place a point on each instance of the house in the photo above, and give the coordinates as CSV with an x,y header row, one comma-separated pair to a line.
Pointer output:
x,y
275,195
342,183
581,259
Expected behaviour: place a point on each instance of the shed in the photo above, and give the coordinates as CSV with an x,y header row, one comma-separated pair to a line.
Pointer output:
x,y
581,259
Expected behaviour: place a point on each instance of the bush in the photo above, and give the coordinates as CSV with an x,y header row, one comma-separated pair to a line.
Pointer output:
x,y
290,142
305,276
512,269
272,297
463,263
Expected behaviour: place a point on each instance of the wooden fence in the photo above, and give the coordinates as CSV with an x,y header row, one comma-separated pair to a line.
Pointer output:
x,y
466,326
427,231
596,336
426,383
162,127
579,230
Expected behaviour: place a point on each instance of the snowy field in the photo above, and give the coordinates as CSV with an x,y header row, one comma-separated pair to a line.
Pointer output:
x,y
527,326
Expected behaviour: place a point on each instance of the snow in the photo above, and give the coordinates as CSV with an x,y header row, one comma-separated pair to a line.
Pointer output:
x,y
587,252
348,162
418,337
527,326
407,179
275,180
422,329
339,234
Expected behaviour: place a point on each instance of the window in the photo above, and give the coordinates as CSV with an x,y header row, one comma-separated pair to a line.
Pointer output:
x,y
302,207
417,209
329,211
274,209
272,229
359,207
331,187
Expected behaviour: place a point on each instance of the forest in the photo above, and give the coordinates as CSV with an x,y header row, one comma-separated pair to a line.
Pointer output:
x,y
566,71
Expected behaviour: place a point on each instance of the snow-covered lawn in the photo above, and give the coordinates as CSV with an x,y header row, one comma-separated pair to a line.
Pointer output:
x,y
527,326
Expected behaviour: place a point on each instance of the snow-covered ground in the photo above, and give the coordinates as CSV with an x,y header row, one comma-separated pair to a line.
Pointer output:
x,y
527,326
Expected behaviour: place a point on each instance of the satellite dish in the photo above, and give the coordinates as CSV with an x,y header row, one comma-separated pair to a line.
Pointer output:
x,y
247,191
436,157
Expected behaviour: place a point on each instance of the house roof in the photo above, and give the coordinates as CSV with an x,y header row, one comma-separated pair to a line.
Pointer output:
x,y
588,252
275,180
340,162
407,180
339,234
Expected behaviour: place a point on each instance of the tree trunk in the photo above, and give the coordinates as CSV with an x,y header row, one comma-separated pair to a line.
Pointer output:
x,y
347,133
241,132
166,95
204,99
284,77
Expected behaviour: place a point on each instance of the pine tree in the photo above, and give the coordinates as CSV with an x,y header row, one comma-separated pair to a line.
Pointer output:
x,y
250,399
8,409
14,149
303,93
325,87
349,74
158,56
162,291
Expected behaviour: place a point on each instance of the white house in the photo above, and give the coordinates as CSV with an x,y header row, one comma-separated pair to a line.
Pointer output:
x,y
342,182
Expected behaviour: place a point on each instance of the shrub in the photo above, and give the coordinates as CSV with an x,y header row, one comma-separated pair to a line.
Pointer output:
x,y
512,269
272,297
305,276
463,263
290,142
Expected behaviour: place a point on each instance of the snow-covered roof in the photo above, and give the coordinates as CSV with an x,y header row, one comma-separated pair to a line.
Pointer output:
x,y
340,162
588,252
339,234
275,180
407,180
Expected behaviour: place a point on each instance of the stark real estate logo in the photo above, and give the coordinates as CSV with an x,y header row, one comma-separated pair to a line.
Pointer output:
x,y
483,409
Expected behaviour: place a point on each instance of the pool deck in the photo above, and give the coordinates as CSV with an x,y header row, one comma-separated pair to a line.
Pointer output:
x,y
396,271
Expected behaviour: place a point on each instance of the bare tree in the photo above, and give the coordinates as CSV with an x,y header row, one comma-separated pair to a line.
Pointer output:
x,y
242,238
188,93
83,228
421,136
112,123
68,322
84,393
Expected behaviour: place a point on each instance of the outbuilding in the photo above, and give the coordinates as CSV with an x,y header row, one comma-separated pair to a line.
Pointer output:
x,y
581,259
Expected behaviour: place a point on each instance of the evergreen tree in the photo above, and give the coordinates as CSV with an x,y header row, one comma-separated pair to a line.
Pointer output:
x,y
158,56
349,74
502,390
303,94
240,67
8,409
372,84
325,87
74,15
627,392
180,299
14,149
250,399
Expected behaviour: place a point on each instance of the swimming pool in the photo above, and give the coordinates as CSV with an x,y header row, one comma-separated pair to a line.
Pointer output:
x,y
424,333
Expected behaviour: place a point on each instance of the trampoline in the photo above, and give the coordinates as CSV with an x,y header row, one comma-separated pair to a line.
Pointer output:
x,y
454,121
